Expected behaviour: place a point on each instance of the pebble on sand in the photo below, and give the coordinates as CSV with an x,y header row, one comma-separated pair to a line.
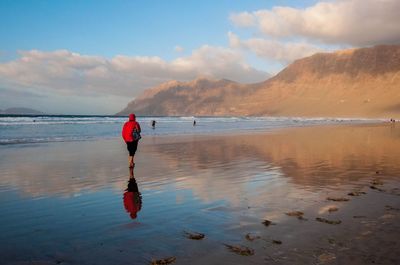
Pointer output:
x,y
267,222
328,209
194,235
277,242
250,237
333,209
377,182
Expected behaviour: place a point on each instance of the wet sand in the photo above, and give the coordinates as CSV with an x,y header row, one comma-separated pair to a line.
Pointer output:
x,y
284,195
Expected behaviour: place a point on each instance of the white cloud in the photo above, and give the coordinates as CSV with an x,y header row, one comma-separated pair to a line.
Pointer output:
x,y
354,22
218,62
243,19
179,48
274,50
67,73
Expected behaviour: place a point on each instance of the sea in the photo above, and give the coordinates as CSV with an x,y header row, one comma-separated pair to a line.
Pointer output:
x,y
67,195
31,129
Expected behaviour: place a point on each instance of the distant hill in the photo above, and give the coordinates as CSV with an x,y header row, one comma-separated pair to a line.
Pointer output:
x,y
20,111
200,97
361,82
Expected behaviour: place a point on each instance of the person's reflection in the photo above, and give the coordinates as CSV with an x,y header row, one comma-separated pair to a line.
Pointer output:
x,y
132,196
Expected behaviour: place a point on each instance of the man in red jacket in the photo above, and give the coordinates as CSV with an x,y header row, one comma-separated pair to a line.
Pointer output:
x,y
131,135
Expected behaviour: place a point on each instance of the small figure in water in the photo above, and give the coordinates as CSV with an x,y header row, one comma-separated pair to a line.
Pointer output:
x,y
194,123
153,124
131,135
392,120
132,196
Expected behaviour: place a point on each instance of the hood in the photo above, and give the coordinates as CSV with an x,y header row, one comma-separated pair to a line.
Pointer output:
x,y
132,117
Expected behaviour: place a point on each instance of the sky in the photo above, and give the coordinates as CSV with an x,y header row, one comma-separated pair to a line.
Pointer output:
x,y
94,56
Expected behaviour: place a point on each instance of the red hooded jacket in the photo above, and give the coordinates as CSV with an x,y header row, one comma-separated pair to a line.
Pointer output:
x,y
128,128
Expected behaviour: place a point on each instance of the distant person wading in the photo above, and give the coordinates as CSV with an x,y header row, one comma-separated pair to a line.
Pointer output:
x,y
131,135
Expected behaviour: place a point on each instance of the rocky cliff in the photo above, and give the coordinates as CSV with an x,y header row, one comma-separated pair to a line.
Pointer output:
x,y
349,83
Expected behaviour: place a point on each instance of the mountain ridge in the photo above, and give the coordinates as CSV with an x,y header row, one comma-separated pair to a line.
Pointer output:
x,y
363,82
20,111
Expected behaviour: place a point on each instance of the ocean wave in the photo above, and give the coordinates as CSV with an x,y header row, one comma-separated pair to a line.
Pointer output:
x,y
7,121
42,140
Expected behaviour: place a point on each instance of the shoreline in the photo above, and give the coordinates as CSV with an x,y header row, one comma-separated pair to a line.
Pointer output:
x,y
241,132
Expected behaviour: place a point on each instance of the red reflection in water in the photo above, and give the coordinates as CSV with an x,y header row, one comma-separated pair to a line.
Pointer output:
x,y
132,196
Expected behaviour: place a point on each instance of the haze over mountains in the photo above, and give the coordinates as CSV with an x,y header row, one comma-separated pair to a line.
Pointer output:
x,y
361,82
21,111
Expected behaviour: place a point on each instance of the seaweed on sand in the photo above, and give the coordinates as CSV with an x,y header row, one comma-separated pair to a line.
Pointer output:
x,y
165,261
333,209
337,199
331,222
356,193
297,214
373,187
240,250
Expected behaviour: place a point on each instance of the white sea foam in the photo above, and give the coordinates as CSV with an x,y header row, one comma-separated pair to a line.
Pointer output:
x,y
7,121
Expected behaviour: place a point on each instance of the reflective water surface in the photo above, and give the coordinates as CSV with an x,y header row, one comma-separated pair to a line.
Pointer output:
x,y
78,203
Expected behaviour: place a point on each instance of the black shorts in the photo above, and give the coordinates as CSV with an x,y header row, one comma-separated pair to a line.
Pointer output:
x,y
132,147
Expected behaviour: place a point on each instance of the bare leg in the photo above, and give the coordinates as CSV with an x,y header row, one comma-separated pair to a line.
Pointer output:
x,y
130,161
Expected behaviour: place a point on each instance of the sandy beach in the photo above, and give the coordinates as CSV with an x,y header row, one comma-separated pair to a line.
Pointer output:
x,y
314,195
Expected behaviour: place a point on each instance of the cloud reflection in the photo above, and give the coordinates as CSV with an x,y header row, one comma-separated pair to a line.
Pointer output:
x,y
230,168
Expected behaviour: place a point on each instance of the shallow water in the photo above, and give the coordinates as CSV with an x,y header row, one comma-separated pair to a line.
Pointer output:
x,y
64,202
16,129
